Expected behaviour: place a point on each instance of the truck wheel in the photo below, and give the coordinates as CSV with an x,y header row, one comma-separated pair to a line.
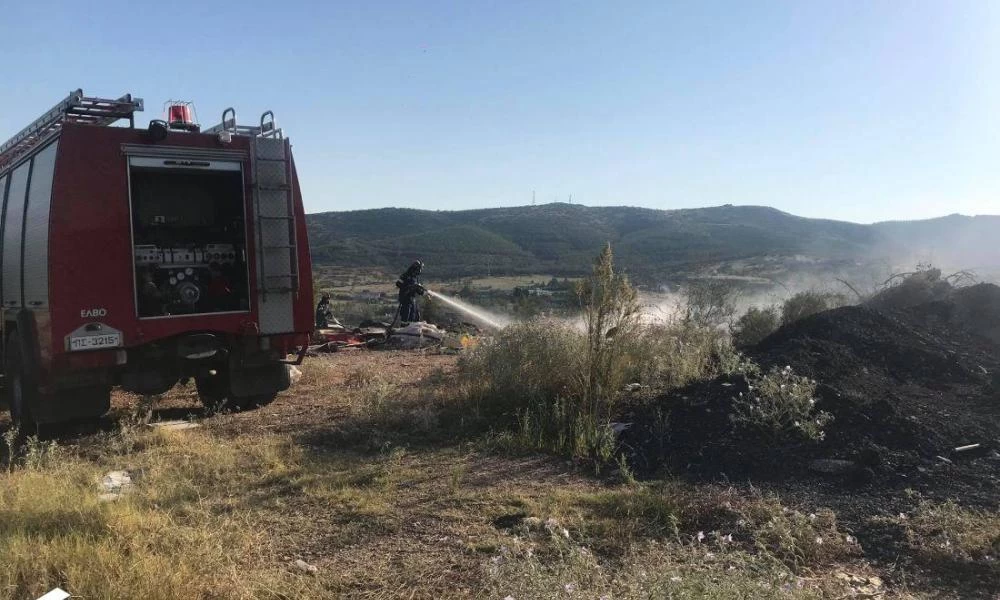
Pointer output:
x,y
214,393
213,390
252,401
21,393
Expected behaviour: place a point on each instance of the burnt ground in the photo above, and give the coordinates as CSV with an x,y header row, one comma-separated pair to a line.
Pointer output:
x,y
906,386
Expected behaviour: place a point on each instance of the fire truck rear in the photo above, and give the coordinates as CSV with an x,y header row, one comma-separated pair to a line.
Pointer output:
x,y
140,257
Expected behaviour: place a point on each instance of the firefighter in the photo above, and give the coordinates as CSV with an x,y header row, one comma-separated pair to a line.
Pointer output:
x,y
409,289
324,312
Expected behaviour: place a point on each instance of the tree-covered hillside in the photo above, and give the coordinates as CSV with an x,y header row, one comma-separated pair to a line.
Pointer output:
x,y
563,238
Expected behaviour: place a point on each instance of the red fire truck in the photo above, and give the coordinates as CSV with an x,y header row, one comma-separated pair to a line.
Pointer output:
x,y
140,257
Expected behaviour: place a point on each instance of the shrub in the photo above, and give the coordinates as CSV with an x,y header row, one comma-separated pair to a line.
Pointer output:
x,y
710,302
524,364
948,531
754,325
779,405
548,385
796,539
910,289
555,385
675,354
803,304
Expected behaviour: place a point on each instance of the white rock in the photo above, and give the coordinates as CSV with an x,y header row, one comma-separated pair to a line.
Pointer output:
x,y
114,484
306,567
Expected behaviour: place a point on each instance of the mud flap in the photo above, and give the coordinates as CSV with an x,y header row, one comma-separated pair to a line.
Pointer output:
x,y
259,381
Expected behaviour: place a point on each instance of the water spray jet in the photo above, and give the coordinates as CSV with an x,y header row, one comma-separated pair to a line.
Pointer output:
x,y
477,314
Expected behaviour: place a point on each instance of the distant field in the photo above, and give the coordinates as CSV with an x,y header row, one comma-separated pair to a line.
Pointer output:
x,y
508,282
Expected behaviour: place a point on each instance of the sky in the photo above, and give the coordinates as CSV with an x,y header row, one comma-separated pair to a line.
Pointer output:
x,y
860,111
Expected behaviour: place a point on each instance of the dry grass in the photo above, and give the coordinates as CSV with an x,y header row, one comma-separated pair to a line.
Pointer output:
x,y
338,473
667,540
187,530
948,532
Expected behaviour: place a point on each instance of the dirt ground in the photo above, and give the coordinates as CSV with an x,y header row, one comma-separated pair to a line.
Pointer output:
x,y
424,529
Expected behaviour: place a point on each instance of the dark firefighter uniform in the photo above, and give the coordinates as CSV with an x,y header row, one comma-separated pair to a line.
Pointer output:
x,y
324,312
409,288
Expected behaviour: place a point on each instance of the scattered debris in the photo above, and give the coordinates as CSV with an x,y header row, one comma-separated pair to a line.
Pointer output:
x,y
555,529
294,374
870,585
115,484
416,335
966,448
619,427
55,594
971,451
174,425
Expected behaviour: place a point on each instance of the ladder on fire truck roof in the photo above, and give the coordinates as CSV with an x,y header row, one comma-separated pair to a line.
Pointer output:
x,y
274,211
267,127
76,108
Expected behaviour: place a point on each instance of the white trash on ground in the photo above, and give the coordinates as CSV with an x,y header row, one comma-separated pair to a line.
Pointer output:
x,y
306,567
114,484
174,425
294,374
417,335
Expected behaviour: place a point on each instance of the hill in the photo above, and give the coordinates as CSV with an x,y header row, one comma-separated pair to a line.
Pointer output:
x,y
562,239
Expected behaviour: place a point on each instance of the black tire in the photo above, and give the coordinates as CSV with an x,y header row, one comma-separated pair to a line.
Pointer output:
x,y
213,391
252,401
20,391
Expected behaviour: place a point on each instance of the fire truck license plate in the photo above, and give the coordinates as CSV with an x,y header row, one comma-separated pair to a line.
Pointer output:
x,y
93,342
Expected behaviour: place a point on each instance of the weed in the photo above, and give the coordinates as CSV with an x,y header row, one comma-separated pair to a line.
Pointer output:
x,y
625,471
10,438
39,455
670,355
611,313
669,540
458,472
947,531
793,537
779,405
